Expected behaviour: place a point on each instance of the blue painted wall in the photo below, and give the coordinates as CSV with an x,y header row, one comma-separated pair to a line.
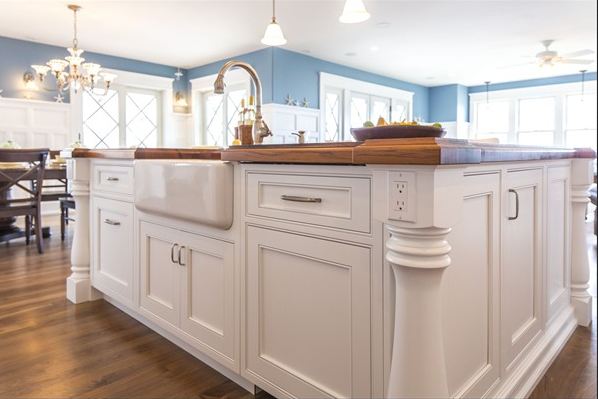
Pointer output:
x,y
533,82
285,73
297,75
16,57
261,60
448,103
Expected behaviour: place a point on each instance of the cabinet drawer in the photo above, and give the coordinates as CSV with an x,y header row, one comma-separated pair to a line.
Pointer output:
x,y
112,224
116,179
330,201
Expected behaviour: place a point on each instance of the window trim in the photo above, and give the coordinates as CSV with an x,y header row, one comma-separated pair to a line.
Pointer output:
x,y
330,82
512,96
132,80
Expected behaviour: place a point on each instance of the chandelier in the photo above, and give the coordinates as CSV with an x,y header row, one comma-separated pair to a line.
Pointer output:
x,y
80,74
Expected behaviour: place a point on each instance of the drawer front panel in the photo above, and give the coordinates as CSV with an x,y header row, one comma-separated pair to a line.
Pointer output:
x,y
116,179
330,201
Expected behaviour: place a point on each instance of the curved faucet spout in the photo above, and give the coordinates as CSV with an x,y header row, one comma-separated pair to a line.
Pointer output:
x,y
260,128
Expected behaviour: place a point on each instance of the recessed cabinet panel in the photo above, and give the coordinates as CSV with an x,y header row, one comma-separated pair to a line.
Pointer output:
x,y
336,202
307,299
470,291
208,293
557,239
521,272
112,224
159,275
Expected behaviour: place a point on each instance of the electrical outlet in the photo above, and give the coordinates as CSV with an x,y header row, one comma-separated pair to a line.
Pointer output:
x,y
402,196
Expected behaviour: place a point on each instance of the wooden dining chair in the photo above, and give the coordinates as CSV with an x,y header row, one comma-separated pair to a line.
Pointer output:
x,y
34,164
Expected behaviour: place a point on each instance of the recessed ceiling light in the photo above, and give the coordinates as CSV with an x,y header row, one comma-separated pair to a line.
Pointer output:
x,y
350,54
374,49
383,24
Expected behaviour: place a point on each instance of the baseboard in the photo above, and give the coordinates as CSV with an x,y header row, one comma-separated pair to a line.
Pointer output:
x,y
231,375
526,376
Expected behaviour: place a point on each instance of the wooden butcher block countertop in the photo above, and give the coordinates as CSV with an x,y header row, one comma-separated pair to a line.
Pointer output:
x,y
416,151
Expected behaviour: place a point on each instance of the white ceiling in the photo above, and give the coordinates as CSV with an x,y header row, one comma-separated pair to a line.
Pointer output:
x,y
425,42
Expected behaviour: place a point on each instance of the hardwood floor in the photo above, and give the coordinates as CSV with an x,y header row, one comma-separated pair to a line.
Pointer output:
x,y
50,348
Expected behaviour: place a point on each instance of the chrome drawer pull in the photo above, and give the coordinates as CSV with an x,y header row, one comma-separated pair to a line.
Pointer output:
x,y
111,222
296,198
179,260
172,252
111,178
516,204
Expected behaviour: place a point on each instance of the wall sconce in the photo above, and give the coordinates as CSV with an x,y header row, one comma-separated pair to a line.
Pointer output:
x,y
29,80
179,99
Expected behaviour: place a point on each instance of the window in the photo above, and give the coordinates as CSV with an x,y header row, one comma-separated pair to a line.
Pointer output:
x,y
215,116
536,121
545,115
580,121
492,119
121,117
347,103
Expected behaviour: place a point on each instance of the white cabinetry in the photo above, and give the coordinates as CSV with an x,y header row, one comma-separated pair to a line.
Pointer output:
x,y
521,265
307,299
112,272
187,280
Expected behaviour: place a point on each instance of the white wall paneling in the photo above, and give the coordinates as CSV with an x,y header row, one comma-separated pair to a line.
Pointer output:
x,y
285,119
35,124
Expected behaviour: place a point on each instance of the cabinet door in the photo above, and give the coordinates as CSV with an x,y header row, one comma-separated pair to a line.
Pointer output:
x,y
208,295
521,271
308,314
112,271
159,275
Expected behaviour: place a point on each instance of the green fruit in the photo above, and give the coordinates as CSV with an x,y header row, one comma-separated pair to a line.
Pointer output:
x,y
438,125
368,124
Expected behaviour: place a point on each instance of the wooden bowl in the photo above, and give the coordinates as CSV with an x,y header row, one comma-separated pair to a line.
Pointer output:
x,y
396,132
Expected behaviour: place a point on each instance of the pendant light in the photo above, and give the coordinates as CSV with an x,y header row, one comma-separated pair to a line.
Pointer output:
x,y
487,83
583,83
354,12
273,35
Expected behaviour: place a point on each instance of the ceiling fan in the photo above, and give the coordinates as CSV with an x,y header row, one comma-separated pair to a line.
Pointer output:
x,y
549,57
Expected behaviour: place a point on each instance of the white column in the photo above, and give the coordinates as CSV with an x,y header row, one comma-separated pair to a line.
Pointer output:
x,y
581,179
78,284
418,257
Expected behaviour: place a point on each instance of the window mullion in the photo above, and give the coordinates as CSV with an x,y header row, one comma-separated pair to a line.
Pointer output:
x,y
122,117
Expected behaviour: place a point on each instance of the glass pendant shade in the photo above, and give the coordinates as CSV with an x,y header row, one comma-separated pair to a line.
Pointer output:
x,y
75,61
354,12
57,65
273,35
41,70
91,69
75,52
108,77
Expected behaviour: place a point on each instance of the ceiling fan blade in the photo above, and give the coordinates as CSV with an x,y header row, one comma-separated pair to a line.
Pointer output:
x,y
579,53
578,62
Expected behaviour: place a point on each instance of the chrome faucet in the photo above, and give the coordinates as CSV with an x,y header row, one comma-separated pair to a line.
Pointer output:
x,y
260,128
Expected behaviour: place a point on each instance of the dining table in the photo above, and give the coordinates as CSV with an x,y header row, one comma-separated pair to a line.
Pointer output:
x,y
8,227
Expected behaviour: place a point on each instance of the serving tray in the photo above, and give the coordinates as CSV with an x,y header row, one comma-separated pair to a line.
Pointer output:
x,y
396,132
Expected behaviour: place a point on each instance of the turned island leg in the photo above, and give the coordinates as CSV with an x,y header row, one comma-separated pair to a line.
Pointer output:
x,y
581,179
78,284
418,258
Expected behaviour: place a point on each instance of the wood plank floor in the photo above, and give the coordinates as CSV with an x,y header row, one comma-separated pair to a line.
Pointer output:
x,y
50,348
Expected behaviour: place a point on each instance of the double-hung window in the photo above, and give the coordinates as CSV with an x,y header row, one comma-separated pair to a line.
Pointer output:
x,y
557,115
347,103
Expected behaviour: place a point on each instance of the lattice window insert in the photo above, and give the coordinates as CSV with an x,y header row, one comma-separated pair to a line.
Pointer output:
x,y
100,119
332,117
142,120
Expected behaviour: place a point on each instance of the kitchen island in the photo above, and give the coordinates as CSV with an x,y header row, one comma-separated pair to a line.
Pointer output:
x,y
390,268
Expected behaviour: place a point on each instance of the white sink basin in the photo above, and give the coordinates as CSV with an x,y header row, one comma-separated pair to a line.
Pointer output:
x,y
198,191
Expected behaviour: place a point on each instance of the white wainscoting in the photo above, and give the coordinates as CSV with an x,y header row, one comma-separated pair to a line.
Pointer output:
x,y
36,124
285,119
33,123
